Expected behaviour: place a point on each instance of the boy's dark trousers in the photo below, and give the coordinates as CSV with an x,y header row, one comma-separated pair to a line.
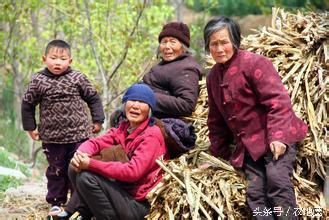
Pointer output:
x,y
269,185
58,157
105,198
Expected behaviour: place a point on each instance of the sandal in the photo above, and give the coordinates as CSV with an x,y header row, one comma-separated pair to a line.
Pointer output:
x,y
57,211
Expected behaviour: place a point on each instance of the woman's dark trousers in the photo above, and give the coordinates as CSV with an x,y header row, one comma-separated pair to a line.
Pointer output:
x,y
105,198
269,187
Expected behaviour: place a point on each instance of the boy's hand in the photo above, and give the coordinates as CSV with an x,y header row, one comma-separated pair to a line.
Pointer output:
x,y
34,135
97,127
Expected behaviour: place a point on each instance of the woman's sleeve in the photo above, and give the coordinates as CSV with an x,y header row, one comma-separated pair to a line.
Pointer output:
x,y
271,93
183,95
220,135
141,162
95,145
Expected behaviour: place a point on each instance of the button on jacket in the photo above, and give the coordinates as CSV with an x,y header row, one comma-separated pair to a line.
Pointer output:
x,y
249,106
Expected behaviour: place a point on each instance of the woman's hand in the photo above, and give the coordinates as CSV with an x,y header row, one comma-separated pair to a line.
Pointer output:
x,y
80,161
278,148
34,135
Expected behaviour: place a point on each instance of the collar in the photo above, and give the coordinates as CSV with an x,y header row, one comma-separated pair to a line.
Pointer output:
x,y
224,66
182,56
137,130
47,72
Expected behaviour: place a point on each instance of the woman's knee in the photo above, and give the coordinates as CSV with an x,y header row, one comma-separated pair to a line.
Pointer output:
x,y
84,180
255,192
72,174
278,178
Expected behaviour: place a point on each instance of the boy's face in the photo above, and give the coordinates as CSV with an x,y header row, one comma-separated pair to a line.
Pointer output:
x,y
57,60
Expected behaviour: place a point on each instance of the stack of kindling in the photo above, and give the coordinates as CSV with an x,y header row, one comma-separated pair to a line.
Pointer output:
x,y
297,45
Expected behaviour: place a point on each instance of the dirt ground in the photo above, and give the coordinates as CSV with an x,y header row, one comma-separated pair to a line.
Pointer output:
x,y
25,202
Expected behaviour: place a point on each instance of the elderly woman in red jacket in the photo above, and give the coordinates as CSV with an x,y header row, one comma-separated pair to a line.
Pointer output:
x,y
249,106
117,189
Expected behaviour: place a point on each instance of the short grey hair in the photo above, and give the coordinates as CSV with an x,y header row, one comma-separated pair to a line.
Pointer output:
x,y
220,23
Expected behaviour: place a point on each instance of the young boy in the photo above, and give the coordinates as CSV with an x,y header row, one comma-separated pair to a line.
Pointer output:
x,y
63,125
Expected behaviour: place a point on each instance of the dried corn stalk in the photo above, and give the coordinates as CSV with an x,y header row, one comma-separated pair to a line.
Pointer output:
x,y
189,191
298,47
200,115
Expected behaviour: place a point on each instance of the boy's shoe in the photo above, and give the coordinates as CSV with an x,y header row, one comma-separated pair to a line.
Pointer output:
x,y
57,212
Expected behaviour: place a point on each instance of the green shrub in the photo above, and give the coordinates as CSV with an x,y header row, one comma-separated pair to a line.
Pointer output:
x,y
8,161
12,139
245,7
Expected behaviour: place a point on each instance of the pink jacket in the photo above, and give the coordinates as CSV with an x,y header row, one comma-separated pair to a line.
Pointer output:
x,y
143,146
248,104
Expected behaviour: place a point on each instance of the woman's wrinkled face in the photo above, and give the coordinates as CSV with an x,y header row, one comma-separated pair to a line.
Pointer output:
x,y
136,112
220,46
170,48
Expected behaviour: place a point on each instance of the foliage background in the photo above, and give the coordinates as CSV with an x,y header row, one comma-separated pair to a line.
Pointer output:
x,y
245,7
114,42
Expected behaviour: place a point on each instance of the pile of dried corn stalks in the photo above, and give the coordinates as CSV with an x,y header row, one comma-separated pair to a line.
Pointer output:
x,y
297,44
189,191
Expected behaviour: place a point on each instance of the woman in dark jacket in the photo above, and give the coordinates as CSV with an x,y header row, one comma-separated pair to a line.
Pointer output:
x,y
175,79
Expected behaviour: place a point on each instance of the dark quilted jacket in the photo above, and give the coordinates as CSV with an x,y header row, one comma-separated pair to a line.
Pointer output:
x,y
176,85
63,114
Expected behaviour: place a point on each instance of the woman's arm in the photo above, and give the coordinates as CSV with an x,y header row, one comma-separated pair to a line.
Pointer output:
x,y
182,96
141,162
95,145
219,134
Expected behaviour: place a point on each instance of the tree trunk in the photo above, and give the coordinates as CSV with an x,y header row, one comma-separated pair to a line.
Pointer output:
x,y
178,5
18,91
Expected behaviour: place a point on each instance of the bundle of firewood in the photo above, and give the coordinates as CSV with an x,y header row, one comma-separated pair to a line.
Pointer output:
x,y
199,186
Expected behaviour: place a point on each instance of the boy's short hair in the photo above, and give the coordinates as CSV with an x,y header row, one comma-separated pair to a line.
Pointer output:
x,y
59,44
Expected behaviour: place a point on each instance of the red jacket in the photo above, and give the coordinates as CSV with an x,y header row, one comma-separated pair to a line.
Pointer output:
x,y
143,146
248,104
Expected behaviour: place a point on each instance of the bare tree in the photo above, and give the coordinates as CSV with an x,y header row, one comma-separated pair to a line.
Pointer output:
x,y
178,5
105,75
